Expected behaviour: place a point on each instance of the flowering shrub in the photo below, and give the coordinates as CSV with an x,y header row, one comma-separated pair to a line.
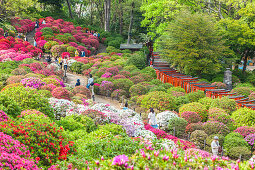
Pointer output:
x,y
123,84
3,116
118,76
158,100
61,93
163,118
198,137
106,75
229,105
119,93
177,125
19,71
195,107
191,117
252,96
82,90
12,85
243,117
216,114
215,127
194,126
14,79
125,73
250,139
97,116
63,107
51,81
246,91
29,112
245,130
219,85
137,79
32,82
49,87
50,146
105,87
138,90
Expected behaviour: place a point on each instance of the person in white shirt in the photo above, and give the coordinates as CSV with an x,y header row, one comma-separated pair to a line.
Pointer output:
x,y
43,22
215,146
90,86
152,118
65,62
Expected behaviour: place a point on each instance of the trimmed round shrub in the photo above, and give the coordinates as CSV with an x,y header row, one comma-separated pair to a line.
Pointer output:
x,y
82,90
217,114
51,81
125,73
29,99
229,105
158,100
77,67
119,93
245,130
118,76
195,107
214,127
244,117
159,88
235,152
175,89
193,126
219,85
106,87
195,96
49,87
45,93
191,117
198,137
61,93
9,106
15,79
252,96
138,90
19,71
137,79
150,71
124,84
138,60
251,78
178,125
245,91
206,101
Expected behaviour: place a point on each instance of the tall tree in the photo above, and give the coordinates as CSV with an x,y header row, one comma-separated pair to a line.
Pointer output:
x,y
69,8
107,14
131,22
192,45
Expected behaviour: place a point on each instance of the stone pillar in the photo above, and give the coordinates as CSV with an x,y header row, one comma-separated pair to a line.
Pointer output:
x,y
228,79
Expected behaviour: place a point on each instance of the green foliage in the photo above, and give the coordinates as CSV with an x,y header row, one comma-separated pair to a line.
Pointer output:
x,y
8,66
195,96
158,100
77,122
138,90
244,117
77,67
156,82
149,70
114,129
195,107
234,140
179,124
206,101
9,106
123,84
198,137
138,60
213,127
177,89
29,99
191,43
245,91
229,105
235,152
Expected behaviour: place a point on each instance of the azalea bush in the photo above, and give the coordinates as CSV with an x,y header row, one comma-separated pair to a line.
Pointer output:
x,y
198,137
82,90
177,125
244,117
123,84
214,127
245,91
61,93
245,130
229,105
32,82
106,87
138,90
195,107
9,106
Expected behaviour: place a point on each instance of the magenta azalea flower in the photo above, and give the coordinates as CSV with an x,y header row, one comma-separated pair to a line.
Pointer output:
x,y
120,160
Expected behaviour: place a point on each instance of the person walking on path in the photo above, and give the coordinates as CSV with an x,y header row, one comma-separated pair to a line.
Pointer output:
x,y
35,44
60,61
6,34
78,83
215,146
152,118
90,86
125,106
44,22
65,63
25,38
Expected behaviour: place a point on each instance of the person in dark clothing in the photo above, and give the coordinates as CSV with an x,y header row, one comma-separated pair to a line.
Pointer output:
x,y
6,34
78,83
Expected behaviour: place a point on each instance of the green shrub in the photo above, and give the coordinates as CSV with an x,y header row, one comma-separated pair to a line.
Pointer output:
x,y
29,99
77,67
114,129
245,91
158,100
166,85
71,50
195,96
206,101
149,70
177,89
45,93
244,117
130,68
138,60
179,124
213,127
157,88
46,30
181,100
229,105
251,79
156,82
234,140
9,106
198,137
235,152
219,78
123,84
77,122
138,90
195,107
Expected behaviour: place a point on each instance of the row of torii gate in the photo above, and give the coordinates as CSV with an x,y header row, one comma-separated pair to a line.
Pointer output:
x,y
192,84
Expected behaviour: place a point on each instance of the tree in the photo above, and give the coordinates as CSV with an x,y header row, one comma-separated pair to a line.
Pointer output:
x,y
192,45
240,33
107,14
69,8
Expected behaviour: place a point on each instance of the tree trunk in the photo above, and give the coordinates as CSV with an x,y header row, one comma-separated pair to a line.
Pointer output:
x,y
69,8
107,14
121,17
101,13
80,11
131,22
91,13
245,61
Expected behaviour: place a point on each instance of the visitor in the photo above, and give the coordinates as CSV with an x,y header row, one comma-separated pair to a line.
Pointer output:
x,y
44,22
125,106
60,61
39,56
98,35
215,146
95,34
18,35
65,62
48,59
152,118
90,86
82,53
35,44
36,24
76,53
78,83
6,34
25,38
